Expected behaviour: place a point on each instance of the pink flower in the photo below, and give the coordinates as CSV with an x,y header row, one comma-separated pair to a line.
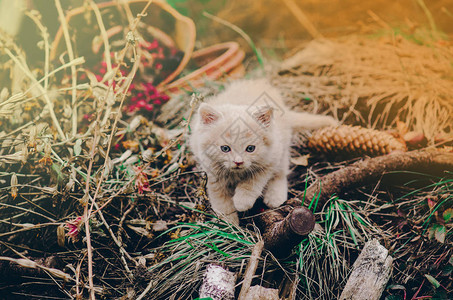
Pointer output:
x,y
141,181
74,228
141,103
87,117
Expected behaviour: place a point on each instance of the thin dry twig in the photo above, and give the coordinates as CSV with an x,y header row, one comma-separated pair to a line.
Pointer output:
x,y
67,39
302,18
22,65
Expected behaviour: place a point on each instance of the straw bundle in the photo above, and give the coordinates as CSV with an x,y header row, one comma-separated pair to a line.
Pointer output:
x,y
376,81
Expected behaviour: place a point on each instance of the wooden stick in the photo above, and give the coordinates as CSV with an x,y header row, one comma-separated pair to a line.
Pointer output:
x,y
370,273
251,269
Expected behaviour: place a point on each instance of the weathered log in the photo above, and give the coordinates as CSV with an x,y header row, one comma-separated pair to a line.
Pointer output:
x,y
280,234
370,170
370,273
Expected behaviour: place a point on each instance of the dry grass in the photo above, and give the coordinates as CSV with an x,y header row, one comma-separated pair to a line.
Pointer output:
x,y
376,81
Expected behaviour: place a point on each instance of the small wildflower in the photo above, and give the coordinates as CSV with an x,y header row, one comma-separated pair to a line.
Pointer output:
x,y
73,227
141,181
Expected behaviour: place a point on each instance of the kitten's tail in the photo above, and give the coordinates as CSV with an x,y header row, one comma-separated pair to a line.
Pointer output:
x,y
304,120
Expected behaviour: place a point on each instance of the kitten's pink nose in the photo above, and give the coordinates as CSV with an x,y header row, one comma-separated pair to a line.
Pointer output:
x,y
238,163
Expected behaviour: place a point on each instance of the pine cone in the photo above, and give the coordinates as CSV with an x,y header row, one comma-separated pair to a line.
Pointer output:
x,y
353,141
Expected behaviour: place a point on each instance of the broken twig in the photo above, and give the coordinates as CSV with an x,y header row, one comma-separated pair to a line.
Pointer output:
x,y
281,234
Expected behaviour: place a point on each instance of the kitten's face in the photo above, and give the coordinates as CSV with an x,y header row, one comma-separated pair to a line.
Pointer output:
x,y
234,141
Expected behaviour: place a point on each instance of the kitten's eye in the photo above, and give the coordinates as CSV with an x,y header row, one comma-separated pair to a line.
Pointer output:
x,y
250,148
225,148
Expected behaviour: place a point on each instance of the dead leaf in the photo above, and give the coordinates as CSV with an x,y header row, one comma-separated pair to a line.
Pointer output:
x,y
160,225
300,160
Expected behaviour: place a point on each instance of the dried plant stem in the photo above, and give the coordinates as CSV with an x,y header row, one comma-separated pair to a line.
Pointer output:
x,y
112,133
107,58
133,26
302,18
29,74
27,263
93,203
27,210
127,9
163,150
429,16
37,226
79,267
123,218
88,212
105,38
67,39
240,32
85,214
45,36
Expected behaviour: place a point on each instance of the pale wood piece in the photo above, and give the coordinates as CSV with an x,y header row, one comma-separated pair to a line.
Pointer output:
x,y
258,292
370,273
251,269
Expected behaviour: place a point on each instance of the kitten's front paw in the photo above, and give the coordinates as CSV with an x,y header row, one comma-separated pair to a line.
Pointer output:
x,y
276,193
242,201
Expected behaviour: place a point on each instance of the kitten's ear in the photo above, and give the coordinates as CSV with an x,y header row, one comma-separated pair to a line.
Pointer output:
x,y
208,114
264,115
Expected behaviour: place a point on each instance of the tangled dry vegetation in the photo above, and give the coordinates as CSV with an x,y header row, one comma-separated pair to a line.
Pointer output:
x,y
100,199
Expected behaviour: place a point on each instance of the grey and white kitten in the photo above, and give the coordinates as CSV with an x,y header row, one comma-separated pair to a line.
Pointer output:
x,y
241,138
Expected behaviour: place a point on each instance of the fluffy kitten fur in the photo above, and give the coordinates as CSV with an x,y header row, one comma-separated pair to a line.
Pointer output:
x,y
241,138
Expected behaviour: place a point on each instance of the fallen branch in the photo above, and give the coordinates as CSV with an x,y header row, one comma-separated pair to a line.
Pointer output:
x,y
370,170
281,234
